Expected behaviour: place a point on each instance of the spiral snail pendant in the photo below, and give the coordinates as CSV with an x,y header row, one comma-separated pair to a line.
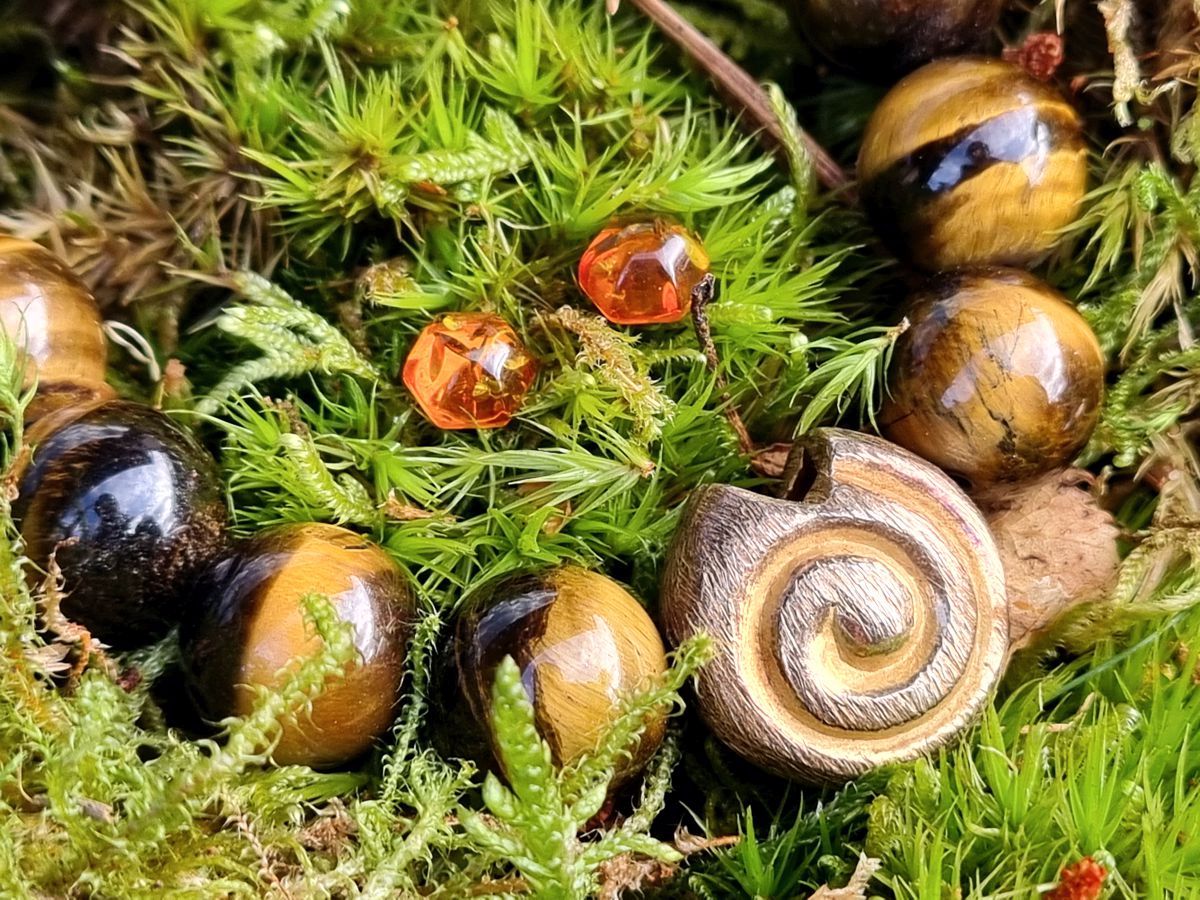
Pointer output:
x,y
861,623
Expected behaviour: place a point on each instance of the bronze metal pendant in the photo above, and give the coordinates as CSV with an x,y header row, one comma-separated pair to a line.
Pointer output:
x,y
860,623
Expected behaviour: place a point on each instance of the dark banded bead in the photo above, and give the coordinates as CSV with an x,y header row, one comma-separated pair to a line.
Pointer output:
x,y
997,379
582,643
972,162
247,632
884,36
129,506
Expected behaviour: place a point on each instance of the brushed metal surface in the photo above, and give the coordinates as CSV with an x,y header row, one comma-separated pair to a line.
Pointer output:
x,y
861,624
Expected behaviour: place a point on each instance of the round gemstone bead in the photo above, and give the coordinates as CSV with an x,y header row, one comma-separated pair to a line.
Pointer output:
x,y
246,631
972,162
469,370
54,321
998,378
643,274
581,641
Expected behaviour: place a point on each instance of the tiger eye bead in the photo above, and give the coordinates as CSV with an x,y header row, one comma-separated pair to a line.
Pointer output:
x,y
129,507
997,379
247,632
52,318
581,641
972,162
889,36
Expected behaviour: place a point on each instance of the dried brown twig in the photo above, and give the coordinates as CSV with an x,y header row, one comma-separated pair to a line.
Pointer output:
x,y
765,461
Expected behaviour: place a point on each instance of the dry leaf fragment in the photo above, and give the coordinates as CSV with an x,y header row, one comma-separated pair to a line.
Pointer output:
x,y
856,888
399,511
1119,19
69,634
688,843
330,831
632,873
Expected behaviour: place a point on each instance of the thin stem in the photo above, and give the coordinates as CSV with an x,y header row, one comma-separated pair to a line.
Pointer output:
x,y
701,297
733,81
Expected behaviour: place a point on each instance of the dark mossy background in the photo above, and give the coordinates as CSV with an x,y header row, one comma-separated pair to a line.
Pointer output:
x,y
274,196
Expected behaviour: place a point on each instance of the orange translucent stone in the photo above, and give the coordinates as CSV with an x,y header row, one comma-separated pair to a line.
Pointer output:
x,y
469,370
643,274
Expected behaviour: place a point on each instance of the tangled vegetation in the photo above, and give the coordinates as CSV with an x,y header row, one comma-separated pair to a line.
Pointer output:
x,y
272,197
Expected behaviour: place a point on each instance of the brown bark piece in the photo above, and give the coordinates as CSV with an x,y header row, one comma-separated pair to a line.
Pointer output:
x,y
1059,549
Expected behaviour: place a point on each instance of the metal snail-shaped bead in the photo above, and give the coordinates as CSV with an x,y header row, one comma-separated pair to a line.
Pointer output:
x,y
862,623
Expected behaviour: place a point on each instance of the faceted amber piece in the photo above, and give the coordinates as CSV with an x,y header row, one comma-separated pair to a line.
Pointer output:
x,y
643,274
469,370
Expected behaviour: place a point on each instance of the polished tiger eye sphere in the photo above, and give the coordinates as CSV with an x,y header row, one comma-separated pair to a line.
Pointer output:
x,y
52,318
581,642
998,377
972,162
469,370
247,631
129,506
643,274
894,35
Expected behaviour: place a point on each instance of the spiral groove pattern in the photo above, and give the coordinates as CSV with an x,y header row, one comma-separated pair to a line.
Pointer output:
x,y
863,624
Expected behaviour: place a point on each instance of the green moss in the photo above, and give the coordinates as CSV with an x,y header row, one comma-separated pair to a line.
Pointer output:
x,y
280,193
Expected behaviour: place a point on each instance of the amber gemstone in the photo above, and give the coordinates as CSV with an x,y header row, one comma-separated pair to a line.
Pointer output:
x,y
643,274
469,370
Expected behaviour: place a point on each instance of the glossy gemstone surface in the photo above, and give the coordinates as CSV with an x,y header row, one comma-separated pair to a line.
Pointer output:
x,y
52,318
582,643
997,379
130,507
970,162
643,274
469,370
246,631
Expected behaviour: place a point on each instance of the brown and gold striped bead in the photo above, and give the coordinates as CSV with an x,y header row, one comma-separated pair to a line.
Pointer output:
x,y
53,319
972,162
998,377
582,643
892,35
246,631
